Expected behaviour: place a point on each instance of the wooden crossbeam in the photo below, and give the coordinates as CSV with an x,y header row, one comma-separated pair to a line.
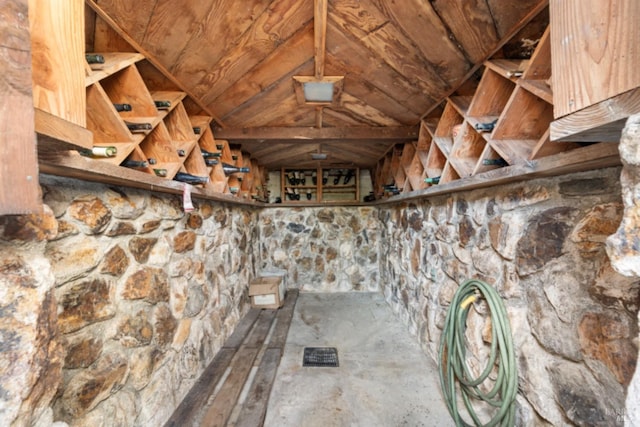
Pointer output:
x,y
401,133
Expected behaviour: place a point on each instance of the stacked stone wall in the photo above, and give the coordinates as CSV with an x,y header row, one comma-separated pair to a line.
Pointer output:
x,y
332,249
113,301
541,244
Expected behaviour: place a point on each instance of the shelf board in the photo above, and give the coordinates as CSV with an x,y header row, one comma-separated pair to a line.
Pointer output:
x,y
113,62
504,66
461,103
175,97
445,143
514,150
537,87
55,133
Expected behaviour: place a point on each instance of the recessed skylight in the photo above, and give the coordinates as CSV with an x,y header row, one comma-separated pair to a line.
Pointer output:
x,y
318,91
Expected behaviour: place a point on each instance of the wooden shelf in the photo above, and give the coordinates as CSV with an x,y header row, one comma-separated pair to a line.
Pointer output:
x,y
113,62
320,192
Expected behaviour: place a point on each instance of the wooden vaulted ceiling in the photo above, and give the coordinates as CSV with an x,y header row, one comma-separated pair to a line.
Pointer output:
x,y
399,59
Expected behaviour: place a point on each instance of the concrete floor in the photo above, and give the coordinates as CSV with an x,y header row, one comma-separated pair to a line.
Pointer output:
x,y
384,378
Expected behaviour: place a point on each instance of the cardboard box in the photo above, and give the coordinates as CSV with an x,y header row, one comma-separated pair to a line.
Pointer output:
x,y
267,292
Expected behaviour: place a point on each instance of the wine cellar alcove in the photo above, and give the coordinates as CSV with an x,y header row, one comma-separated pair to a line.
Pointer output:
x,y
366,157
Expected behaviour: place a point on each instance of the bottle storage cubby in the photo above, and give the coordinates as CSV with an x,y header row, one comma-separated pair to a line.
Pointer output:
x,y
320,185
505,121
153,132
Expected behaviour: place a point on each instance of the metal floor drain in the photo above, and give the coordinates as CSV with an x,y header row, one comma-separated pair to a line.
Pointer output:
x,y
320,356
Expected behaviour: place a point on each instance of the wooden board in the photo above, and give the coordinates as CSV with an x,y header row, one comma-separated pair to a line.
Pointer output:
x,y
255,407
283,320
19,188
57,30
594,47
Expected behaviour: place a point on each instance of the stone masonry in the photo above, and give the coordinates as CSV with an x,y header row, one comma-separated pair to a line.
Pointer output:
x,y
541,244
114,301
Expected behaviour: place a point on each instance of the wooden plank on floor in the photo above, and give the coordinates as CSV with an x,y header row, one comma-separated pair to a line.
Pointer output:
x,y
255,407
240,332
197,397
283,320
260,332
224,402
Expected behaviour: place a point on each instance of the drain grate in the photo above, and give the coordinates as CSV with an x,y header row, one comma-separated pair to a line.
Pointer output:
x,y
320,356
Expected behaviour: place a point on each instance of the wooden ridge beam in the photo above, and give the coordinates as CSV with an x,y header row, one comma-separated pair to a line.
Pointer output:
x,y
310,134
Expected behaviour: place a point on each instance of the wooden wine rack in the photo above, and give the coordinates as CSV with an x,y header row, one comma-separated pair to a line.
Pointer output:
x,y
450,147
119,80
319,192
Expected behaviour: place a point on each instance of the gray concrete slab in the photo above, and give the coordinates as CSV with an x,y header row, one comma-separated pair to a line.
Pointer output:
x,y
384,378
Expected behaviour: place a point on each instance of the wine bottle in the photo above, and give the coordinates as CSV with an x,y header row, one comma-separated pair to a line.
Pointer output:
x,y
297,194
495,162
234,157
234,190
162,105
160,172
487,126
336,180
434,180
99,151
122,107
191,179
197,130
291,177
297,177
139,127
309,195
211,162
219,146
348,176
152,161
181,152
135,164
230,169
325,177
209,154
94,58
514,73
303,178
314,177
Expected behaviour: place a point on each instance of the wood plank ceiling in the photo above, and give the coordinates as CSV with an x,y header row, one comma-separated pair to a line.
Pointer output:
x,y
399,59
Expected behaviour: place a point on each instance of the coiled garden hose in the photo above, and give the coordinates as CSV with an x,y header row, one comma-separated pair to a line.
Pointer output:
x,y
454,372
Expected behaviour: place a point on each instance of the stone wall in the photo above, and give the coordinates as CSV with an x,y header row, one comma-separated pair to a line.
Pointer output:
x,y
542,245
322,249
113,301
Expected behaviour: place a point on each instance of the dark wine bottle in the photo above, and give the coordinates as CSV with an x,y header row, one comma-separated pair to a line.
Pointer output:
x,y
219,146
336,180
486,127
211,162
325,177
135,164
309,195
99,151
162,105
181,152
191,179
230,169
291,177
348,176
495,162
139,127
234,190
434,180
303,178
314,177
94,58
160,172
122,107
209,154
197,130
152,161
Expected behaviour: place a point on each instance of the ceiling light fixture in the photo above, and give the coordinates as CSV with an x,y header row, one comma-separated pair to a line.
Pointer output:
x,y
318,91
319,156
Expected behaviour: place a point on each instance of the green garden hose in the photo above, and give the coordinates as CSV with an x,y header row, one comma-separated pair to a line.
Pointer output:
x,y
454,372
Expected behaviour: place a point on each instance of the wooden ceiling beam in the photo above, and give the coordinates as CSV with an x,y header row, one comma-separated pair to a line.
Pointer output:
x,y
399,133
320,35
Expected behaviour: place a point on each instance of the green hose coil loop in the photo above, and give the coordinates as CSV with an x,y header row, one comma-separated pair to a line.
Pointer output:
x,y
454,372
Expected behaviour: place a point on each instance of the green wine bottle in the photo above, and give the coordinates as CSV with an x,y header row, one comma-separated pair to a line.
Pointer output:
x,y
160,172
495,162
135,164
99,151
162,105
434,180
197,130
122,107
94,58
138,127
191,179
